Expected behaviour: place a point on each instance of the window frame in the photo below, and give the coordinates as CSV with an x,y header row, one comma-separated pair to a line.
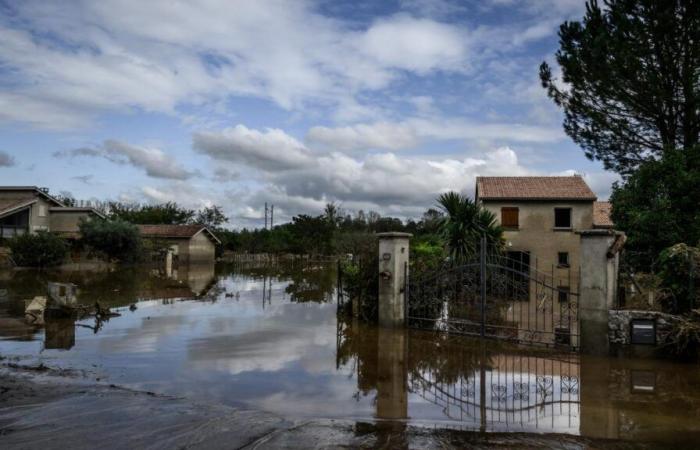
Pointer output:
x,y
559,260
563,294
517,217
571,218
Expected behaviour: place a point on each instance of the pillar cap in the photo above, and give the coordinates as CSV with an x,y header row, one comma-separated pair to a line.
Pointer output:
x,y
394,235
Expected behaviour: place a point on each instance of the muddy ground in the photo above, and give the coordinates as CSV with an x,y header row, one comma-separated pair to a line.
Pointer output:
x,y
43,408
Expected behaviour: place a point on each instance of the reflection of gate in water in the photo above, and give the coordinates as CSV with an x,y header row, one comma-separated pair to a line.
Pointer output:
x,y
498,295
517,392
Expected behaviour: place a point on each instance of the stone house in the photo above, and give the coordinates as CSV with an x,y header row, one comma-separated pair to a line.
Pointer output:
x,y
189,243
28,209
541,217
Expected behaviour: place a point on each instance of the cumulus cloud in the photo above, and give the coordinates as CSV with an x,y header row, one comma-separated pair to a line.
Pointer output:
x,y
222,174
298,182
383,135
272,149
409,133
155,162
415,44
99,56
6,160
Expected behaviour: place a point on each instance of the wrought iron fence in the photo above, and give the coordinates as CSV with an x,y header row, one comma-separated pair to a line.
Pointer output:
x,y
494,295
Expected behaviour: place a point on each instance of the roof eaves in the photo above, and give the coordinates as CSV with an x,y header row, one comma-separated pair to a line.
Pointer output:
x,y
15,208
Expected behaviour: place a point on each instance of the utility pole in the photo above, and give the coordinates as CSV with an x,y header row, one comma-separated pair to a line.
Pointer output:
x,y
272,215
266,215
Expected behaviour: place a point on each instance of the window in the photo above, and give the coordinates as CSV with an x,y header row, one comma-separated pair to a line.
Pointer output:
x,y
563,294
42,210
509,217
563,259
562,217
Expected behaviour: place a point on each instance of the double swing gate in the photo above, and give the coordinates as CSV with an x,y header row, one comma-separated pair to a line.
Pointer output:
x,y
497,294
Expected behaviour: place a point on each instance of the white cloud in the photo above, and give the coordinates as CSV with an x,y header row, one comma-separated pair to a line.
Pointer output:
x,y
298,182
418,45
272,149
100,56
390,136
410,133
156,162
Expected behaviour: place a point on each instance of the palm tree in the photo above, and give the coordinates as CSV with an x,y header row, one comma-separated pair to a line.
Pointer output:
x,y
463,225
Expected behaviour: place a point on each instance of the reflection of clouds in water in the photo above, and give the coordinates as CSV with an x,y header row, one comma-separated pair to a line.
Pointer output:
x,y
329,397
292,333
143,338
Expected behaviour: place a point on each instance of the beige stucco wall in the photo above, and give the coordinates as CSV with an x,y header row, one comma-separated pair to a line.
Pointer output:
x,y
66,221
536,233
200,249
39,216
39,211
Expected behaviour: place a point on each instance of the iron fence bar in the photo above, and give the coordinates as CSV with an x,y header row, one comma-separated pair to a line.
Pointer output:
x,y
483,284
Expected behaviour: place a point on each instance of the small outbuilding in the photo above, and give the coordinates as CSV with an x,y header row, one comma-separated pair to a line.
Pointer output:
x,y
189,243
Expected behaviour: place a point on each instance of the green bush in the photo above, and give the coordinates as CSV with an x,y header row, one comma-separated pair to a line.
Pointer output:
x,y
679,270
42,249
115,239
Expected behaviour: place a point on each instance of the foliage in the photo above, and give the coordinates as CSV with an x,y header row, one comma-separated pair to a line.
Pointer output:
x,y
684,336
464,224
427,253
211,216
631,74
657,206
169,213
360,284
42,249
116,239
66,198
679,270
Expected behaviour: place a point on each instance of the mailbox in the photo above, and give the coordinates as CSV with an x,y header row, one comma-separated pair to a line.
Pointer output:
x,y
643,331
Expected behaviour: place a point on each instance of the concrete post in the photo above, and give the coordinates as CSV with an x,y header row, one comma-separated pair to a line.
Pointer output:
x,y
393,261
598,287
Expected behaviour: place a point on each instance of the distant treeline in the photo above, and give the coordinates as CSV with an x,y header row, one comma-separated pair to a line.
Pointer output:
x,y
334,231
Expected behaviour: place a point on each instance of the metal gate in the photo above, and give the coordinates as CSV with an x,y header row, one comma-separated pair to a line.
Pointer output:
x,y
497,295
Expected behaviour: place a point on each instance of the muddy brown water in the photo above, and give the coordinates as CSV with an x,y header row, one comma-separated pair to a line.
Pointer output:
x,y
269,338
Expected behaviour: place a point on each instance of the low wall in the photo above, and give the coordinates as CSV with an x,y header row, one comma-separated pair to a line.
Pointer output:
x,y
619,324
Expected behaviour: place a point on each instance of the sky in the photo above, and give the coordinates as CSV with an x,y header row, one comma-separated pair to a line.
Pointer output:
x,y
372,105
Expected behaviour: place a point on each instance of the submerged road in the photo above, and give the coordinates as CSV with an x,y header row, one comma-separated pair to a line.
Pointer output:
x,y
55,412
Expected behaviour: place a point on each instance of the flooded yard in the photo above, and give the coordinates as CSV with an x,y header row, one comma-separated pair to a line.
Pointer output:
x,y
268,338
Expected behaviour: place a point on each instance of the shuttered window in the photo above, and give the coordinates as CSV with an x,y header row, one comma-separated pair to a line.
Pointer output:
x,y
509,218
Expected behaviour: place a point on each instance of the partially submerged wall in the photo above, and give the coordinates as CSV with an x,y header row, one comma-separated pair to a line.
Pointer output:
x,y
619,325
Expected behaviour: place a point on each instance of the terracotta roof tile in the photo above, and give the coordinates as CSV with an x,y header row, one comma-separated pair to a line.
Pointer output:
x,y
601,215
533,188
173,231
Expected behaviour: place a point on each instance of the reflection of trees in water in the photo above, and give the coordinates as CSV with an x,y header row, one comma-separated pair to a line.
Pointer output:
x,y
309,281
449,358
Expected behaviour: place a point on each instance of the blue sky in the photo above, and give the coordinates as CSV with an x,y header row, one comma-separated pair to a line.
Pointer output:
x,y
374,105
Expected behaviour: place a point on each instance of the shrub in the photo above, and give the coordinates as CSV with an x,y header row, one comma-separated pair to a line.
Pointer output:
x,y
115,239
679,270
42,249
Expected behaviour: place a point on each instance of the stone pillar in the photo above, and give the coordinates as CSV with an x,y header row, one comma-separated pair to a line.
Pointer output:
x,y
598,287
393,260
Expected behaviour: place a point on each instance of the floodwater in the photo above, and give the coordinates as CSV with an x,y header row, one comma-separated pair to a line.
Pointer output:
x,y
269,338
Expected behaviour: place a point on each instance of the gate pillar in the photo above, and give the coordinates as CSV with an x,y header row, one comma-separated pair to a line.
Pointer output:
x,y
598,287
393,270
